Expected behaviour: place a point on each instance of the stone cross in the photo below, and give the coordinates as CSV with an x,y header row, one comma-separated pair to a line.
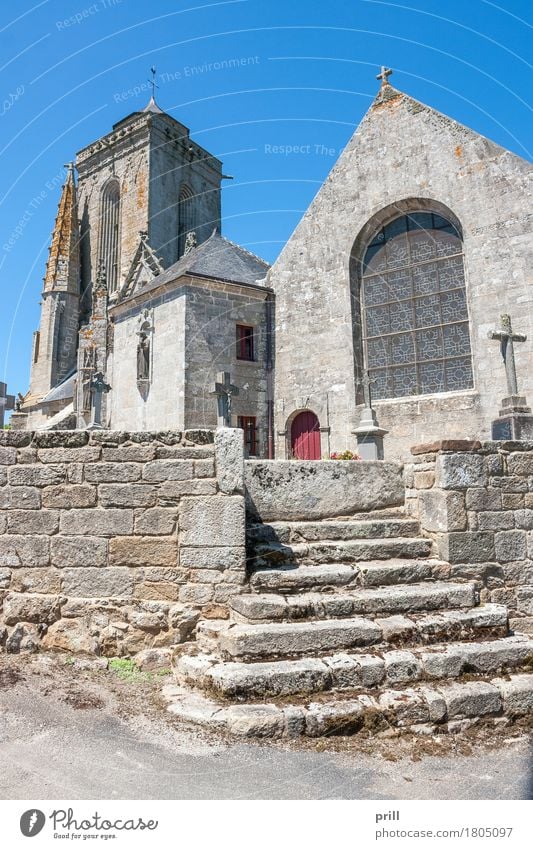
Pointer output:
x,y
507,338
368,432
7,402
224,391
384,75
366,382
98,386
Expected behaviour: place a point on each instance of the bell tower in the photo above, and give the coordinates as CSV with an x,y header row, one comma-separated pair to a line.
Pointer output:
x,y
135,180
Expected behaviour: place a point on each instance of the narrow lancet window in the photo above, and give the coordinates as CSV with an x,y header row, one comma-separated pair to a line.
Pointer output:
x,y
185,217
109,233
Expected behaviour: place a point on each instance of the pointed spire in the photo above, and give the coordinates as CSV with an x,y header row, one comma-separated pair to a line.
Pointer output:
x,y
62,268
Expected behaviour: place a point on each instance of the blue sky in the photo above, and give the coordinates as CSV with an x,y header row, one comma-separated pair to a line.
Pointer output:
x,y
248,77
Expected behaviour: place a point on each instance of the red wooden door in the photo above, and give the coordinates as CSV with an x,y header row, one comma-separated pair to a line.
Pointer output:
x,y
305,437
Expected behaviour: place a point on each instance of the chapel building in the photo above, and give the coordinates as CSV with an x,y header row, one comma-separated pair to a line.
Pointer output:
x,y
417,242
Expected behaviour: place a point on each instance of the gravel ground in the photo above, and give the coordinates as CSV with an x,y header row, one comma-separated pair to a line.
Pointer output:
x,y
74,730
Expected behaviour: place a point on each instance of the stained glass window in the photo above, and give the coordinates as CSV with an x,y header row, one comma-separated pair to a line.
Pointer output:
x,y
415,318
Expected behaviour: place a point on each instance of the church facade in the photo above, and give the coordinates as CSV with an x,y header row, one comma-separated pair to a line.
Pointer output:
x,y
397,274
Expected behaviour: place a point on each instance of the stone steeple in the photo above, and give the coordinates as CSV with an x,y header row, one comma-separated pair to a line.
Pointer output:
x,y
55,343
62,268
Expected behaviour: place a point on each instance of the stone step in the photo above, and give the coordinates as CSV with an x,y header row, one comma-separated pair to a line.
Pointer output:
x,y
421,708
339,551
354,672
272,639
403,598
332,529
330,575
482,622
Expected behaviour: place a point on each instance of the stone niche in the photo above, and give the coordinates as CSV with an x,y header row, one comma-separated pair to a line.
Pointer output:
x,y
114,543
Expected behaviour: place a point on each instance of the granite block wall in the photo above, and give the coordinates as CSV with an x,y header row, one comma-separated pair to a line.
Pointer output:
x,y
114,542
475,499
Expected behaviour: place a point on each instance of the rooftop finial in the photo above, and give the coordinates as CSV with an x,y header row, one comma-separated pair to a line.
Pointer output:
x,y
384,75
152,105
152,82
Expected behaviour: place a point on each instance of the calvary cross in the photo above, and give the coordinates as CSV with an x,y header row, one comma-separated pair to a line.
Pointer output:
x,y
98,385
366,382
224,390
506,337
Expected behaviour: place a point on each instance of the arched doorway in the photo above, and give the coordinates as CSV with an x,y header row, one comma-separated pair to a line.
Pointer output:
x,y
305,436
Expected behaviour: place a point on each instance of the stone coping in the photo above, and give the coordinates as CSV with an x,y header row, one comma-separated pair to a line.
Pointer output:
x,y
81,438
470,446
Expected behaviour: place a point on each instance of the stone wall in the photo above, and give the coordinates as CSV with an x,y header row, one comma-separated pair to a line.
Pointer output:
x,y
114,542
278,490
475,499
194,337
212,313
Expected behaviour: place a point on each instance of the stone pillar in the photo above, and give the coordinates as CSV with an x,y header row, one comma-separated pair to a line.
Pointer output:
x,y
213,528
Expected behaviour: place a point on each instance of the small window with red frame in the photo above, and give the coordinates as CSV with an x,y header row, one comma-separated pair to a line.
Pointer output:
x,y
245,342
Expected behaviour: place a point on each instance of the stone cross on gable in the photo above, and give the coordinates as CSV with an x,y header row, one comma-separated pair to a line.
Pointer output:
x,y
224,391
98,386
507,338
384,75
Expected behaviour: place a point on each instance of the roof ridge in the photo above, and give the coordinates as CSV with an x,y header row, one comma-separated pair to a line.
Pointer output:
x,y
245,250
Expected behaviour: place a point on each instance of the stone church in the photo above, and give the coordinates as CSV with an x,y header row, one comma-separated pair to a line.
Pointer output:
x,y
396,276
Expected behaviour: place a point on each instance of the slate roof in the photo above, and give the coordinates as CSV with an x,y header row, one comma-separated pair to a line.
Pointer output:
x,y
216,258
62,391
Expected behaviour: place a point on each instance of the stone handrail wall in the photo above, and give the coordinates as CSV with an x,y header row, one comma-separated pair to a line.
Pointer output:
x,y
309,489
476,501
115,542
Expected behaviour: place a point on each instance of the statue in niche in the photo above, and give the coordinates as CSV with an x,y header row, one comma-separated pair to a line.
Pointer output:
x,y
143,357
86,372
88,358
86,394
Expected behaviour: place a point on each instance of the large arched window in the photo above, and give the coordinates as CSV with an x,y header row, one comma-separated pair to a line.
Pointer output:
x,y
415,321
185,216
109,233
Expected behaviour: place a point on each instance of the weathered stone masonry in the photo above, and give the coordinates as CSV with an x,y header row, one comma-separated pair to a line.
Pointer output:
x,y
475,499
114,542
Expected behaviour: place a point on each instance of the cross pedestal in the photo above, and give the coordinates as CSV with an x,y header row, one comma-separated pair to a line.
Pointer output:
x,y
368,433
515,419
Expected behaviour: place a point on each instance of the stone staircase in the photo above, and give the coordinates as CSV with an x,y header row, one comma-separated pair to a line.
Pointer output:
x,y
351,624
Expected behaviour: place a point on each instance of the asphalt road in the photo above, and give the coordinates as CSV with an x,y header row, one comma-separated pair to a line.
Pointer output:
x,y
55,745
